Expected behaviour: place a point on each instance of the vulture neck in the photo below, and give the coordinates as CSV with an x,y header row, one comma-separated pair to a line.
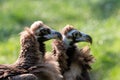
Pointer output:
x,y
29,54
42,48
70,53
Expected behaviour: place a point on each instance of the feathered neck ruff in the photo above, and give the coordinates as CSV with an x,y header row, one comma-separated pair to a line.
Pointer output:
x,y
29,54
59,52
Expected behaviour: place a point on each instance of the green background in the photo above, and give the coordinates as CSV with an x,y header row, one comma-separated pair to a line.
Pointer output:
x,y
98,18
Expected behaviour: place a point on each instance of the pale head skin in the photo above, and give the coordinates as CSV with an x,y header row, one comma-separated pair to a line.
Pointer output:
x,y
72,36
43,31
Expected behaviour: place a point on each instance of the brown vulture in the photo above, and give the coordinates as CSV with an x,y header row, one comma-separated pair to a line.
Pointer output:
x,y
31,63
74,62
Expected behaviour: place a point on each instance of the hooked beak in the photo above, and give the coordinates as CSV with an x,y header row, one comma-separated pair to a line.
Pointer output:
x,y
85,38
54,35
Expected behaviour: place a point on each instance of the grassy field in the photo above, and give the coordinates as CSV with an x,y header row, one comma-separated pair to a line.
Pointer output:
x,y
99,18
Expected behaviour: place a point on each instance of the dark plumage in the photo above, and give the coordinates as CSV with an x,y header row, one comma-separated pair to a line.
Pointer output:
x,y
29,56
31,62
49,68
74,62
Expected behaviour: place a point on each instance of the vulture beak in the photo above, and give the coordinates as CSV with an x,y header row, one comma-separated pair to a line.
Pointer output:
x,y
53,35
84,38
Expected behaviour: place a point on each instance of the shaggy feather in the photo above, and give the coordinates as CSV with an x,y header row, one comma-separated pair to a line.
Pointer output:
x,y
30,54
31,58
59,53
67,29
49,70
74,63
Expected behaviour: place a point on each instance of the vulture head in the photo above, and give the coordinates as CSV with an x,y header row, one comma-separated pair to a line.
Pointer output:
x,y
72,36
43,32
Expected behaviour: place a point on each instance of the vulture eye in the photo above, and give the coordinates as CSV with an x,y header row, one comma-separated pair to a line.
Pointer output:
x,y
80,34
76,34
44,31
48,31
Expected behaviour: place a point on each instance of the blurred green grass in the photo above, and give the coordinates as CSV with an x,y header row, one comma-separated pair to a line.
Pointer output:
x,y
99,18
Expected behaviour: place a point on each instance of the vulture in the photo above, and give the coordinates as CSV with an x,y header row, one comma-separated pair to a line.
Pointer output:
x,y
74,63
31,63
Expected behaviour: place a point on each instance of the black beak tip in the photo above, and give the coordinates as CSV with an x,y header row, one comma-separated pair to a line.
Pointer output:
x,y
89,39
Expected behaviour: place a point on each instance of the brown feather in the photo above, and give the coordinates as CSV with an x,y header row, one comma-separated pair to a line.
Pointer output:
x,y
74,63
59,52
29,56
49,70
31,63
67,29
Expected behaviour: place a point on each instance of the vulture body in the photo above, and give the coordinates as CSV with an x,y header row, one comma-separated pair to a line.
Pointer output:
x,y
31,63
74,62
